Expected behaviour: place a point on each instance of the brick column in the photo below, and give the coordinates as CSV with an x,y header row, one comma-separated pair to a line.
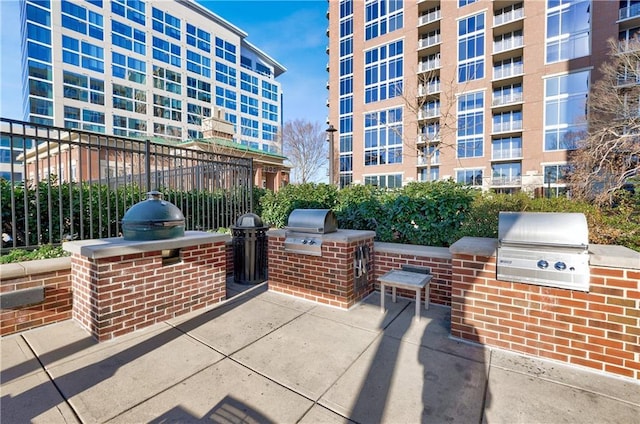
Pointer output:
x,y
327,279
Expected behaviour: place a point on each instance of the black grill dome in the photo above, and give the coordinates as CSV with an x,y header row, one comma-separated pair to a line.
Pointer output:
x,y
153,219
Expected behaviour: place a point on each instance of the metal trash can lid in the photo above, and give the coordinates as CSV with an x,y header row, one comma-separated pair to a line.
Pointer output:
x,y
249,220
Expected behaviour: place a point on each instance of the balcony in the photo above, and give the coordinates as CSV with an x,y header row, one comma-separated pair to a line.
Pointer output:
x,y
430,17
508,16
508,126
429,65
629,12
506,99
506,153
424,160
508,43
429,88
508,71
428,138
627,46
430,41
428,113
627,80
505,180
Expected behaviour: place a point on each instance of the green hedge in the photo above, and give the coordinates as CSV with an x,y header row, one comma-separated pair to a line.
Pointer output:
x,y
439,213
82,210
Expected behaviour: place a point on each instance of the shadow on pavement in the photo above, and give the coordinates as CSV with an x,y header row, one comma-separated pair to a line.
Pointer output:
x,y
31,403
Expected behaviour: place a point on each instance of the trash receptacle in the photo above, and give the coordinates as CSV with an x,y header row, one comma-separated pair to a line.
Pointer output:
x,y
249,250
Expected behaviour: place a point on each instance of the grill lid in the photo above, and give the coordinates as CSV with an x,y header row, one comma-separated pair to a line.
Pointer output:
x,y
153,219
317,221
551,229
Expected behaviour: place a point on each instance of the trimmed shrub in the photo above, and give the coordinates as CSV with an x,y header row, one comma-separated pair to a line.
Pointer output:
x,y
276,207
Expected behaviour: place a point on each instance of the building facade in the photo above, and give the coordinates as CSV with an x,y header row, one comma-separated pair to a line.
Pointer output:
x,y
492,94
137,68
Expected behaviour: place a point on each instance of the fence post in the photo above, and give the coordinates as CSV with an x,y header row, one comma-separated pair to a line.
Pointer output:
x,y
147,154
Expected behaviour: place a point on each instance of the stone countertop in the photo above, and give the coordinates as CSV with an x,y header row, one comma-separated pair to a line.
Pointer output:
x,y
115,246
341,236
612,256
40,266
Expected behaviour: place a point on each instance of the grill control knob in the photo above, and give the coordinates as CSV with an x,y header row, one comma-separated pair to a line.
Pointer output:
x,y
560,266
304,241
542,264
312,241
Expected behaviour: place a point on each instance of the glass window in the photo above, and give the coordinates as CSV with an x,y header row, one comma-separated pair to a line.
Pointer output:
x,y
38,15
38,51
506,148
471,48
40,70
381,17
506,173
470,177
470,132
38,33
40,106
568,30
383,137
383,72
565,110
40,88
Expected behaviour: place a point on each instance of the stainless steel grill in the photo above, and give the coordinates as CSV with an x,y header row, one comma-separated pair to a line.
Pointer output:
x,y
545,248
305,228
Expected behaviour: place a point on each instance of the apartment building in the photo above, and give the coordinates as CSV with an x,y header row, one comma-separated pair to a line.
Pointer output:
x,y
489,93
146,68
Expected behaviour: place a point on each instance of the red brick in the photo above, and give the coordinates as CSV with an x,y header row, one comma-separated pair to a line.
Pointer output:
x,y
573,353
618,370
607,272
586,363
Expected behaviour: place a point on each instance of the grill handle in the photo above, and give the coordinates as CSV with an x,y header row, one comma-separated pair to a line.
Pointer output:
x,y
305,230
502,242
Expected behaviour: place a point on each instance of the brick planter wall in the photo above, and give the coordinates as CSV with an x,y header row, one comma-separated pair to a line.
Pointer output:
x,y
327,279
599,329
54,276
390,256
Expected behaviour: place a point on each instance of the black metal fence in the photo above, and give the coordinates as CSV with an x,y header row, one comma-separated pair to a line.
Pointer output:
x,y
59,184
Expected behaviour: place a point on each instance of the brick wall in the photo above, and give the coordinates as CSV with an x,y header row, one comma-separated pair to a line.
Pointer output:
x,y
390,256
327,279
599,329
120,294
57,296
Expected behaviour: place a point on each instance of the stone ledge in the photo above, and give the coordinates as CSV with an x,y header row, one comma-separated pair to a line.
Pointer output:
x,y
115,246
613,256
40,266
599,255
475,246
412,250
340,236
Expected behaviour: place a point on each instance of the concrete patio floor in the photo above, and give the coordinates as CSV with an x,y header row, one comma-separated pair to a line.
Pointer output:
x,y
264,357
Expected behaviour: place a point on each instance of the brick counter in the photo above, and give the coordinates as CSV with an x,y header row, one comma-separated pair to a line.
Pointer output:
x,y
599,329
120,286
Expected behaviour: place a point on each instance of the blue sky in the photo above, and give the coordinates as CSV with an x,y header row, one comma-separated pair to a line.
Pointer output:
x,y
293,32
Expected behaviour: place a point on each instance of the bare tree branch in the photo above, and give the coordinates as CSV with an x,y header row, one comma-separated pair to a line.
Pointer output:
x,y
610,153
304,144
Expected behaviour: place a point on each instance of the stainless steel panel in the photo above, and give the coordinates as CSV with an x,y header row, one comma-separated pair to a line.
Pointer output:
x,y
304,245
319,221
544,267
543,229
544,248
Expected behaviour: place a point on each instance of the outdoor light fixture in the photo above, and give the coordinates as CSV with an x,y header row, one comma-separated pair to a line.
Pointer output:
x,y
331,130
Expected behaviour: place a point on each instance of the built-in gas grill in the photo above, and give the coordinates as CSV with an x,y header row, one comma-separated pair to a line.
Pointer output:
x,y
305,228
544,248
